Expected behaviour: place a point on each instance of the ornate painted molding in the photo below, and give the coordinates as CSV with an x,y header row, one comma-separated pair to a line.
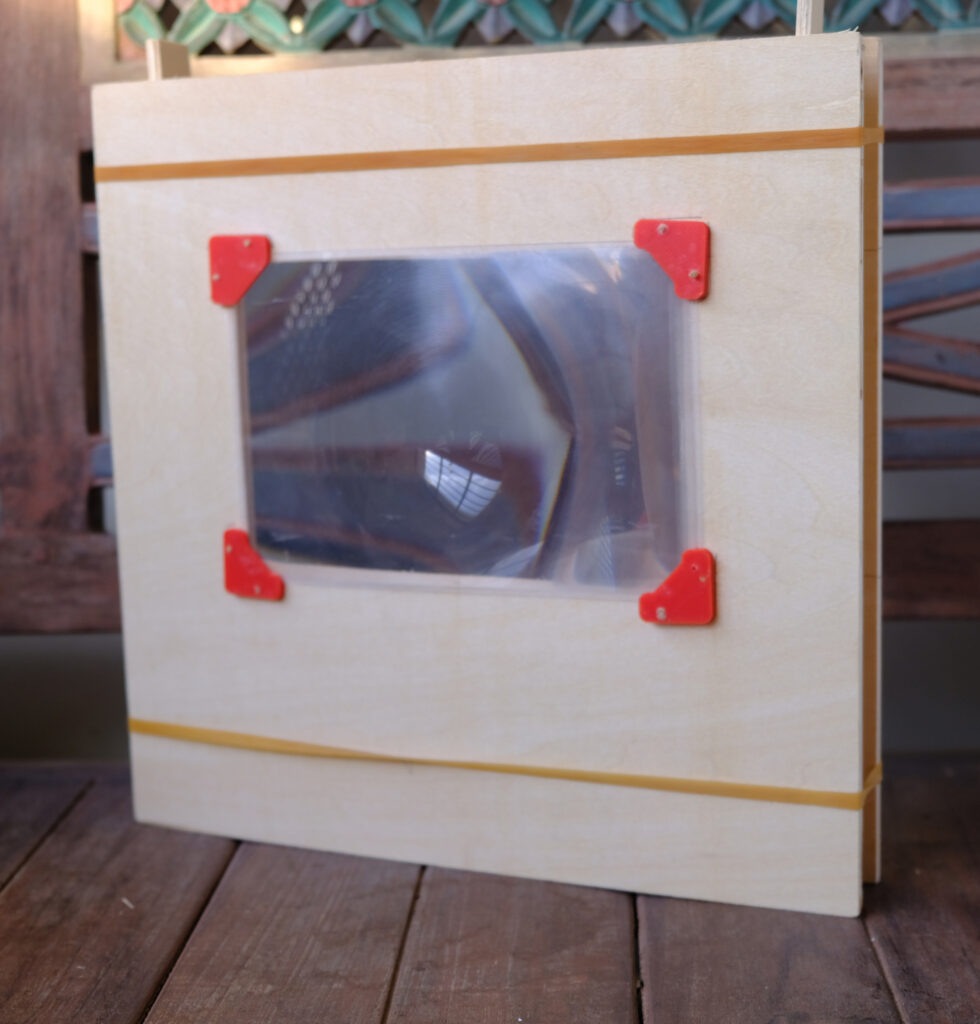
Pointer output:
x,y
288,26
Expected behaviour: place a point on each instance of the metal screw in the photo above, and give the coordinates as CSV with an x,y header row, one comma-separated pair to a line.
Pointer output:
x,y
246,242
693,274
662,229
661,614
215,277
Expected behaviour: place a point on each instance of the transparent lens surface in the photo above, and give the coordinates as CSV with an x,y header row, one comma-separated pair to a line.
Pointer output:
x,y
510,413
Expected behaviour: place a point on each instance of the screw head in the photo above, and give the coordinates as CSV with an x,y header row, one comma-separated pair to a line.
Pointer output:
x,y
662,229
215,277
661,613
694,274
246,242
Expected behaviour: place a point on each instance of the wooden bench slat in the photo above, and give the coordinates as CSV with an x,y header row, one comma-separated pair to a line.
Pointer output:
x,y
487,949
31,802
925,916
293,935
931,569
707,962
93,921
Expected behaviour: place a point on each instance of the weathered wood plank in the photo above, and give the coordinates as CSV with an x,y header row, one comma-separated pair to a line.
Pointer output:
x,y
931,96
925,916
947,442
41,386
938,205
489,949
41,478
94,919
931,570
931,288
930,359
31,802
706,962
293,935
58,583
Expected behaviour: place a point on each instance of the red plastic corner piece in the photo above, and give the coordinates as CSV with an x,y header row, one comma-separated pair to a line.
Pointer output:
x,y
687,596
236,262
682,249
245,573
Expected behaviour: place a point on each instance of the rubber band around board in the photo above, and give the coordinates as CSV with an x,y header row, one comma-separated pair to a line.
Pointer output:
x,y
696,787
607,149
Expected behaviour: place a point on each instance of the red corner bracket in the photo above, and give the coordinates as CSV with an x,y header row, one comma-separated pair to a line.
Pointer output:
x,y
245,573
682,249
687,596
236,262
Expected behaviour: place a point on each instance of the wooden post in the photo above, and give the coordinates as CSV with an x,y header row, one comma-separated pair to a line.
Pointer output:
x,y
166,60
809,17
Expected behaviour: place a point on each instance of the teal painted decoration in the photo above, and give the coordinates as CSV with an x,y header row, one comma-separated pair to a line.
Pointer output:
x,y
288,26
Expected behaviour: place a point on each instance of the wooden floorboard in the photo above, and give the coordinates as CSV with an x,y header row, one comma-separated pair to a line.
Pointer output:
x,y
925,917
32,800
724,965
91,923
293,935
102,920
488,950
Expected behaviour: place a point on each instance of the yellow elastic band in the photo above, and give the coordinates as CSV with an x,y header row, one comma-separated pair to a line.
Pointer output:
x,y
611,149
739,790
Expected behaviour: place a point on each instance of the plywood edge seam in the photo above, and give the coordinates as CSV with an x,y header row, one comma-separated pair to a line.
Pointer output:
x,y
871,429
700,787
615,149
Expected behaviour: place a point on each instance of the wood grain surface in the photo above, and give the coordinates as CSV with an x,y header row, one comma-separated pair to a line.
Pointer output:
x,y
932,97
925,922
102,911
55,575
725,965
90,925
32,800
931,570
293,935
492,950
58,582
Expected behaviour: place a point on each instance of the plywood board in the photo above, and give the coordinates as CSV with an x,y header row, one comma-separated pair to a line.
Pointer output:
x,y
771,694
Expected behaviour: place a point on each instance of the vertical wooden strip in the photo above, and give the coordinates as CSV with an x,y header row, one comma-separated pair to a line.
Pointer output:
x,y
485,948
293,935
925,916
31,802
40,282
809,17
94,919
871,426
166,60
708,962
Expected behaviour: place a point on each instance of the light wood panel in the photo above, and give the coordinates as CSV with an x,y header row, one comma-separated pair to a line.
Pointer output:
x,y
770,694
743,851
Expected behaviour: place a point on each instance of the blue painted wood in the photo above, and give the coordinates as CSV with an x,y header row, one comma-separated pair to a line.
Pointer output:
x,y
933,283
931,443
929,359
929,206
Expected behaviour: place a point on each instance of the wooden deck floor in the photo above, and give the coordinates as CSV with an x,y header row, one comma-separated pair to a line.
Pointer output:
x,y
102,920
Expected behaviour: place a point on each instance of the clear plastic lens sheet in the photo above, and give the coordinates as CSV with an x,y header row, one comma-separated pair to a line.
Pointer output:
x,y
512,413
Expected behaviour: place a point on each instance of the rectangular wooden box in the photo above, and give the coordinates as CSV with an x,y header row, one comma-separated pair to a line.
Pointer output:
x,y
509,729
